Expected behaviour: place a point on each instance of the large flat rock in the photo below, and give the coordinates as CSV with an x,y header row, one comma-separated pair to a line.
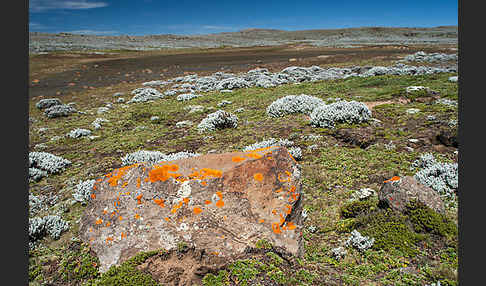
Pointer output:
x,y
222,203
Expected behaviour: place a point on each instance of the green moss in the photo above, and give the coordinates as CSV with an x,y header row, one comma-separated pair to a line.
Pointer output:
x,y
390,231
126,273
244,271
78,265
346,225
263,244
424,219
221,279
357,207
35,272
274,258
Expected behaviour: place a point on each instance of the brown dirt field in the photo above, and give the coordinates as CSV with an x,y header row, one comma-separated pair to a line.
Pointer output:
x,y
57,74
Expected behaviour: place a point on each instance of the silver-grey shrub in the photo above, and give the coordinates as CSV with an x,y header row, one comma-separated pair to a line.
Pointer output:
x,y
97,122
36,174
340,112
51,225
187,96
218,120
46,162
59,110
359,241
79,132
83,191
48,102
296,153
153,157
267,143
441,177
292,104
143,94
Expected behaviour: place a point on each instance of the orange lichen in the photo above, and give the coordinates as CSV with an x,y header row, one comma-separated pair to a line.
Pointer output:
x,y
94,187
167,219
289,209
393,179
292,189
269,158
258,177
90,229
274,211
137,216
225,217
123,235
161,173
108,223
197,210
109,238
219,194
139,199
238,159
204,183
99,221
208,202
276,228
138,183
175,207
215,253
220,203
113,180
261,220
291,225
279,190
185,200
93,196
124,184
159,202
253,155
105,211
205,173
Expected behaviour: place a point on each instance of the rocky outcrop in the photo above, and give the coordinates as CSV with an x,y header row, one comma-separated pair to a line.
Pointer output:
x,y
397,192
221,203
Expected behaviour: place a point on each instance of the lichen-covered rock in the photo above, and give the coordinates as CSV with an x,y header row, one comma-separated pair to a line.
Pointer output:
x,y
48,102
221,203
218,120
397,192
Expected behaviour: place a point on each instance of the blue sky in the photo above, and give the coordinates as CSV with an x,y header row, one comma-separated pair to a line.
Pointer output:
x,y
145,17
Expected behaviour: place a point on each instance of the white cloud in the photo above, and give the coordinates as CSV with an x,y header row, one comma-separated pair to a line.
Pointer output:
x,y
45,5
